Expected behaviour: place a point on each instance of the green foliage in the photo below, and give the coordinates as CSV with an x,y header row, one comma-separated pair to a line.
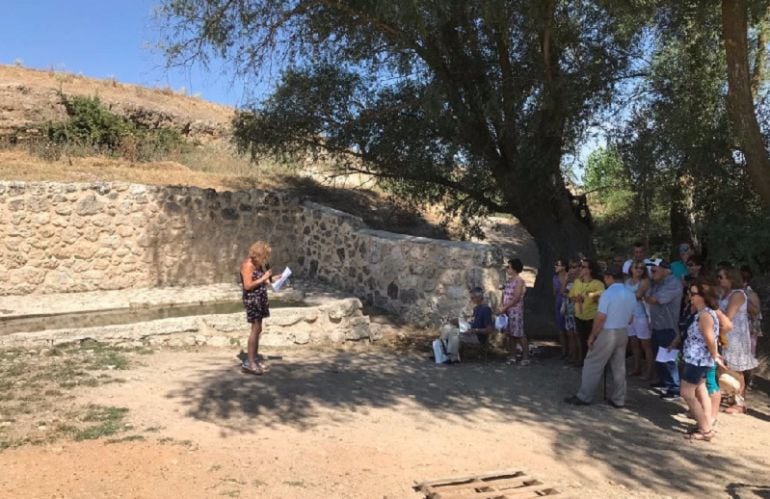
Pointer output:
x,y
93,128
679,152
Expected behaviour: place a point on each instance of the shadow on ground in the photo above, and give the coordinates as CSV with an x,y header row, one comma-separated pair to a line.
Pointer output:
x,y
640,443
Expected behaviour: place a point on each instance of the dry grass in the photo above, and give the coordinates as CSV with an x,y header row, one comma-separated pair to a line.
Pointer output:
x,y
19,164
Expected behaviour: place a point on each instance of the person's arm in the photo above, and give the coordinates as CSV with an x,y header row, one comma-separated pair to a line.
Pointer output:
x,y
706,325
595,290
644,285
668,293
599,321
753,305
734,304
247,270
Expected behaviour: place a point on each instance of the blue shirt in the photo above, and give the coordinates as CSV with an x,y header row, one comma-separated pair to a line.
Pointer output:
x,y
665,313
618,304
679,269
482,319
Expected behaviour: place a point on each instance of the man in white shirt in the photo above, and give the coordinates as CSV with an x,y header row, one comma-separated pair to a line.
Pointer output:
x,y
607,342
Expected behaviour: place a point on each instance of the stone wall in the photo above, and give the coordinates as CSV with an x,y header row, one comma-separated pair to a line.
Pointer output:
x,y
85,237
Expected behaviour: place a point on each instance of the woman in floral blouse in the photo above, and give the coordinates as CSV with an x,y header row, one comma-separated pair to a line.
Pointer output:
x,y
700,354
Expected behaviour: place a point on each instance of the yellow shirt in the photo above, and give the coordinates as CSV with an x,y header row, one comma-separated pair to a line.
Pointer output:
x,y
590,291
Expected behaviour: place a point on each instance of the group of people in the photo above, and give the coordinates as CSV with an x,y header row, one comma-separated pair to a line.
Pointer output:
x,y
654,308
687,329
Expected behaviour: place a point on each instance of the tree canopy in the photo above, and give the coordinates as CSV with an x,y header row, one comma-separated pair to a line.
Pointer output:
x,y
475,104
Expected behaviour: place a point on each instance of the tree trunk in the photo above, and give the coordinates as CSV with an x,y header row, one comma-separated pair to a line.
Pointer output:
x,y
681,219
740,104
558,233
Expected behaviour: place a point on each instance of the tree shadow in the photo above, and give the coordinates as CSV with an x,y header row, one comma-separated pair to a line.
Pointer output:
x,y
743,490
336,388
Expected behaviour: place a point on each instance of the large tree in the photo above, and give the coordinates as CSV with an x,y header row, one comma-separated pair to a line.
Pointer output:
x,y
475,101
735,24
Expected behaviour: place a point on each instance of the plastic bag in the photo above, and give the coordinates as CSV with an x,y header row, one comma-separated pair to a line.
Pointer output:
x,y
501,322
438,352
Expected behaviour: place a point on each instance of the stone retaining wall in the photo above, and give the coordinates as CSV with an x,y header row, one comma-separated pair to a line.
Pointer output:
x,y
85,237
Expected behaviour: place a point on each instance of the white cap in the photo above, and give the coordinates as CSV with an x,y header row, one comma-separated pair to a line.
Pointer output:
x,y
627,266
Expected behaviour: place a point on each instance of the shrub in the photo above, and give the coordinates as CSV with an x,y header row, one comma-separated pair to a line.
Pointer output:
x,y
92,127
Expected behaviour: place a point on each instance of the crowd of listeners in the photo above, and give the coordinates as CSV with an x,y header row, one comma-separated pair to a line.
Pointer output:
x,y
691,331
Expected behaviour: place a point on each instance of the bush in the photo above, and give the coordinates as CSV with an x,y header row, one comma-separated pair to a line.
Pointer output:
x,y
93,128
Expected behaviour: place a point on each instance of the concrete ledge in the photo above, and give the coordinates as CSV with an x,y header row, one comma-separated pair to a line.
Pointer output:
x,y
334,322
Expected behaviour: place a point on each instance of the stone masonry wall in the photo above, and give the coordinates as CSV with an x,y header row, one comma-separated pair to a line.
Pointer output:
x,y
84,237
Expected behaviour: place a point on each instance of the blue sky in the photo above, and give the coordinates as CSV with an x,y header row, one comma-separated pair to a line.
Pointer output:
x,y
102,39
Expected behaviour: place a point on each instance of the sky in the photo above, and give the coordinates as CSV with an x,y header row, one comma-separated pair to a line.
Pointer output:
x,y
103,39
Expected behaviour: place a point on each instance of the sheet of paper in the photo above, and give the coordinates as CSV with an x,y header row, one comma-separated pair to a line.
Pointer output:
x,y
277,285
463,325
664,355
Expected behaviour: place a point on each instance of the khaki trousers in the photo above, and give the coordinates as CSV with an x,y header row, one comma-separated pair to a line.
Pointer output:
x,y
609,348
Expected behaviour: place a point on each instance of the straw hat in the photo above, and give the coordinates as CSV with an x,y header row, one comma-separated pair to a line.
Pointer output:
x,y
728,384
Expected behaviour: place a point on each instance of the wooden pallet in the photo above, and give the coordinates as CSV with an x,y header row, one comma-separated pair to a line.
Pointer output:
x,y
499,485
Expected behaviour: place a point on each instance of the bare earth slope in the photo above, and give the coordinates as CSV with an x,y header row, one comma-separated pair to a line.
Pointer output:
x,y
29,96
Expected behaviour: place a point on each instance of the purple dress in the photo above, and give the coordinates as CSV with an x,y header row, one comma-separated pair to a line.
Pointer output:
x,y
255,301
559,303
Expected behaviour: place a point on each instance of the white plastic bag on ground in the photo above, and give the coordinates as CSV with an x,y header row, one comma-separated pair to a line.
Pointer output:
x,y
438,352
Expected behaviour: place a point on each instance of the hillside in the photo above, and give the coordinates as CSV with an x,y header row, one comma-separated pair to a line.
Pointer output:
x,y
29,97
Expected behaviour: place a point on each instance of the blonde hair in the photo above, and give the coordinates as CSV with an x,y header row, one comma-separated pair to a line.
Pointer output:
x,y
260,252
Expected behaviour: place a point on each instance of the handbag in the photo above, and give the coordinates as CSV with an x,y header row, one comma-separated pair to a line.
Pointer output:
x,y
501,322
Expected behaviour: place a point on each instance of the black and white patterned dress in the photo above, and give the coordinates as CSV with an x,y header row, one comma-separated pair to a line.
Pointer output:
x,y
255,300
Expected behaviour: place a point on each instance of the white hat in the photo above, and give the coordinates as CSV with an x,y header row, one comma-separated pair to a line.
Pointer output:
x,y
627,266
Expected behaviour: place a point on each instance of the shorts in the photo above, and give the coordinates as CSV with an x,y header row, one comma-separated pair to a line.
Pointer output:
x,y
694,374
712,386
640,328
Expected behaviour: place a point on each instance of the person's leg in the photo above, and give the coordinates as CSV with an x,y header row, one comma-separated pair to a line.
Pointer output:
x,y
704,401
524,349
452,345
593,367
636,351
660,368
563,343
671,369
252,348
715,395
649,360
617,362
740,400
688,394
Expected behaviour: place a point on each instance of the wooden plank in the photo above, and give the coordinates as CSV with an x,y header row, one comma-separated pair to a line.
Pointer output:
x,y
496,485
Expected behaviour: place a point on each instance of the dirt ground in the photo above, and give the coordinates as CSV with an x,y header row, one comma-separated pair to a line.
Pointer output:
x,y
371,420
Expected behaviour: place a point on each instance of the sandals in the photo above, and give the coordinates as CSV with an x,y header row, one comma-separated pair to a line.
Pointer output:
x,y
699,435
246,369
